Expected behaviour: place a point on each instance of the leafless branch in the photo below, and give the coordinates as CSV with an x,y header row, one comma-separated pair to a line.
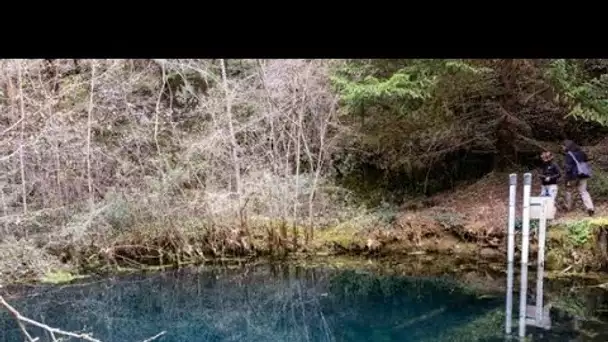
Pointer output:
x,y
21,142
155,336
20,319
253,146
235,156
89,117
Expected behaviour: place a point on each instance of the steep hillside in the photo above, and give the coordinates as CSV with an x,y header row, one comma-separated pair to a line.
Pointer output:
x,y
131,162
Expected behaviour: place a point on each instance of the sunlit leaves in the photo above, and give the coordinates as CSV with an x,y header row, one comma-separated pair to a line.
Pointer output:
x,y
401,86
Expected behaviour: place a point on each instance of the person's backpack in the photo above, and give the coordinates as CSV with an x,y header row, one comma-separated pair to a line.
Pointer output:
x,y
583,170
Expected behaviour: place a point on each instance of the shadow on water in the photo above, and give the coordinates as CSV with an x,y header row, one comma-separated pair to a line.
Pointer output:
x,y
279,302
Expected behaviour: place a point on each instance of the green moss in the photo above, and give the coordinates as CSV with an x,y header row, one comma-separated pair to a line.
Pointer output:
x,y
572,244
554,260
584,232
60,277
344,235
479,329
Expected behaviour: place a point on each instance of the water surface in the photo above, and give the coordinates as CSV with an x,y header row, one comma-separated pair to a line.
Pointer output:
x,y
274,303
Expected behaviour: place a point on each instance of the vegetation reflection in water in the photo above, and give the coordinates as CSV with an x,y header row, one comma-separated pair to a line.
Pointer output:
x,y
268,303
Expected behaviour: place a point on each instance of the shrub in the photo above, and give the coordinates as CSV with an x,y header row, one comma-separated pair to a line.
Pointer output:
x,y
598,185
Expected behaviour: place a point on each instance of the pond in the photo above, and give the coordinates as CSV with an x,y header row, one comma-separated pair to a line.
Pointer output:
x,y
282,302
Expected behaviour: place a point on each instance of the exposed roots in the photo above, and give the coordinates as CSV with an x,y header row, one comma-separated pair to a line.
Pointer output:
x,y
172,247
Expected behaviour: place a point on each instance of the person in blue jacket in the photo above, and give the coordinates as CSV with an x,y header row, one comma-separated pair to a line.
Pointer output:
x,y
577,172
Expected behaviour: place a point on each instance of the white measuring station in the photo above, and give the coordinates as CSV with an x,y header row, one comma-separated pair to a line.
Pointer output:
x,y
533,208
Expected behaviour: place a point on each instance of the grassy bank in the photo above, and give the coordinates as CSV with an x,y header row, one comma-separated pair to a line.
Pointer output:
x,y
578,245
572,249
469,223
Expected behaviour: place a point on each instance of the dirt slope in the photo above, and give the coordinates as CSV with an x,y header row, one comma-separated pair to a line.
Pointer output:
x,y
470,220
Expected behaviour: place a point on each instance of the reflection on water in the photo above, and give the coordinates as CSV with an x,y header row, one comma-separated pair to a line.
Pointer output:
x,y
282,303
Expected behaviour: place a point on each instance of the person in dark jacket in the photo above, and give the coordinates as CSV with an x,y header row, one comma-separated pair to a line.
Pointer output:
x,y
577,172
549,175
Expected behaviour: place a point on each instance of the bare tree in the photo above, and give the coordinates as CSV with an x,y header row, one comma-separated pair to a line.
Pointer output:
x,y
89,116
161,137
235,146
21,141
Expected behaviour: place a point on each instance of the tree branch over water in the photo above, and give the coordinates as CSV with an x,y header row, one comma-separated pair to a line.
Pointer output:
x,y
20,319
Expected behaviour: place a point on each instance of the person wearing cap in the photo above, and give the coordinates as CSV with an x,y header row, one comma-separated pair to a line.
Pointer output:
x,y
549,175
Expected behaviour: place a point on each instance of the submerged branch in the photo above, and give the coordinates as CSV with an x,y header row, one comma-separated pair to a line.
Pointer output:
x,y
20,319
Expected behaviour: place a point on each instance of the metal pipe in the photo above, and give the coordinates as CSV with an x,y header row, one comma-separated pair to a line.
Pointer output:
x,y
510,252
525,244
540,267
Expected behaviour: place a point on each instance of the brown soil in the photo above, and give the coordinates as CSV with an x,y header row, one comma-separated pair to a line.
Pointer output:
x,y
469,221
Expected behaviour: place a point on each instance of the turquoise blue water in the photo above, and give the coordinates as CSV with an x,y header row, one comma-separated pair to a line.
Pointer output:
x,y
269,303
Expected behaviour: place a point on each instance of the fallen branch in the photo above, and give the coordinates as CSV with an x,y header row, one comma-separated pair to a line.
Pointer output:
x,y
566,270
20,319
155,336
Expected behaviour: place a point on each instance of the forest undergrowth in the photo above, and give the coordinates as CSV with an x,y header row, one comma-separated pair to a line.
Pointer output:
x,y
138,163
